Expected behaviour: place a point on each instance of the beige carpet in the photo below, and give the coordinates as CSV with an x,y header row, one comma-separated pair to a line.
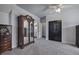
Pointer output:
x,y
45,47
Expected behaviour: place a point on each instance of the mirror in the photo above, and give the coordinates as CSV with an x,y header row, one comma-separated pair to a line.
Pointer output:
x,y
25,32
31,31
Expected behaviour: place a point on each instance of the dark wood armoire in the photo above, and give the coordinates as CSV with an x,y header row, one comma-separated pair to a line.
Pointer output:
x,y
5,37
25,30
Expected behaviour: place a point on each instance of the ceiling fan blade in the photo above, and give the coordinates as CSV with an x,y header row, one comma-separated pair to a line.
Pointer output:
x,y
60,6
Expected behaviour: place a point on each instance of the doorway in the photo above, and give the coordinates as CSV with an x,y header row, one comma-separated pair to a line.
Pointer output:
x,y
55,30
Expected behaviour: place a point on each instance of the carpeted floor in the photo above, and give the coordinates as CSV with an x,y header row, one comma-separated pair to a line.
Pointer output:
x,y
45,47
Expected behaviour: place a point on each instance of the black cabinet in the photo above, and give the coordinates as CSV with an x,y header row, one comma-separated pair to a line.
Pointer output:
x,y
77,35
55,30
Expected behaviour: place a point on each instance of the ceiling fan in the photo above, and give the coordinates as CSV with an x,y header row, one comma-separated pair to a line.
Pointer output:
x,y
55,7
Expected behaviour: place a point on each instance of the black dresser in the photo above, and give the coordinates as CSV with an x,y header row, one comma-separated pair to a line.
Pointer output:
x,y
77,35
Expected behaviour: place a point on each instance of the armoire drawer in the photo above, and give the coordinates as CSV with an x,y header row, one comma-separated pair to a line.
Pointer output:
x,y
8,38
5,44
4,47
6,41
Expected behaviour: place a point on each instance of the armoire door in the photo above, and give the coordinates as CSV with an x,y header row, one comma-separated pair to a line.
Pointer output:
x,y
26,26
55,30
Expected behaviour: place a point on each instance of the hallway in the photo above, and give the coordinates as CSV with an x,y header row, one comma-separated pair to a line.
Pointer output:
x,y
45,47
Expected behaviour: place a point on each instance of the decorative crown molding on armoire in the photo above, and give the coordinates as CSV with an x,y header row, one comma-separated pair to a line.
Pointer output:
x,y
25,30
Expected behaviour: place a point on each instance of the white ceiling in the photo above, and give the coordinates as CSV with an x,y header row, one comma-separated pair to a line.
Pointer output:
x,y
37,9
40,10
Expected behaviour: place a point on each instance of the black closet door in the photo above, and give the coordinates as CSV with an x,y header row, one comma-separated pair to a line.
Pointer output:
x,y
55,30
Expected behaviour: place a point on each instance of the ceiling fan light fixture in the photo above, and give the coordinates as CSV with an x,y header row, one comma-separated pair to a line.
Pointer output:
x,y
58,10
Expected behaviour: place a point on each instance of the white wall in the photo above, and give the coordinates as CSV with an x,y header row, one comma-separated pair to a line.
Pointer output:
x,y
69,35
43,22
13,11
44,29
70,18
40,30
4,18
